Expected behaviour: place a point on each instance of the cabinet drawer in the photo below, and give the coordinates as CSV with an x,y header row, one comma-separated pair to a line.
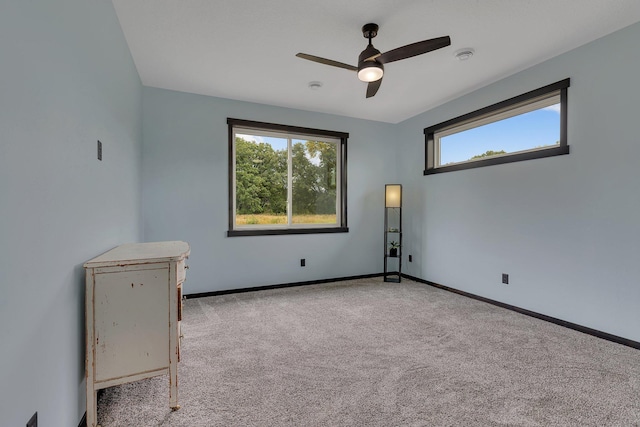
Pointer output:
x,y
181,270
179,303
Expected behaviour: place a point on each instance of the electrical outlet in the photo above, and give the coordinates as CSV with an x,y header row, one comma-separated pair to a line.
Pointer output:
x,y
99,150
410,258
303,262
33,422
505,279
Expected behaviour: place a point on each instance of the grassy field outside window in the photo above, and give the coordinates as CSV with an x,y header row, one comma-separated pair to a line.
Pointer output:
x,y
266,219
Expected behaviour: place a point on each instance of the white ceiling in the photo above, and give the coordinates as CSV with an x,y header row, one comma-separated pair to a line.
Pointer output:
x,y
245,49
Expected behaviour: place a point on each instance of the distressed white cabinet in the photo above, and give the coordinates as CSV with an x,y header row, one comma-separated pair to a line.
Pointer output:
x,y
133,312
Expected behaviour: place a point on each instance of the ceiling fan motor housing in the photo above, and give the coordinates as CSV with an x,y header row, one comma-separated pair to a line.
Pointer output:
x,y
368,53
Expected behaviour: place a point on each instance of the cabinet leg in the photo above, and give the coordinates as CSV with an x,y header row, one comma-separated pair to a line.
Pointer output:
x,y
92,406
173,386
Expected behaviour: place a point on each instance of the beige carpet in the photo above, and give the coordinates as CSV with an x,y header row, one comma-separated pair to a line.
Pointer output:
x,y
368,353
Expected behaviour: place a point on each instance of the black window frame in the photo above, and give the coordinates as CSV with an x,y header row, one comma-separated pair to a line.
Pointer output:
x,y
342,136
512,103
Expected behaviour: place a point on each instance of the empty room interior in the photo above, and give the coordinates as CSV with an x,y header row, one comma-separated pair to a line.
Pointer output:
x,y
262,135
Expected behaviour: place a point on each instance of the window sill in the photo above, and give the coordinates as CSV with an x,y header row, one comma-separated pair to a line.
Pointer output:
x,y
550,152
277,232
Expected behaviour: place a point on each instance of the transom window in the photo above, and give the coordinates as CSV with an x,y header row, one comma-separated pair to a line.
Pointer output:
x,y
285,179
529,126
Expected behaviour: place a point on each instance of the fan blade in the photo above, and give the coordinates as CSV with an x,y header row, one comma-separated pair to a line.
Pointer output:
x,y
327,61
413,49
372,87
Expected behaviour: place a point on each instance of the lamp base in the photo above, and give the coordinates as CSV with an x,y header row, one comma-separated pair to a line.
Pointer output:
x,y
392,277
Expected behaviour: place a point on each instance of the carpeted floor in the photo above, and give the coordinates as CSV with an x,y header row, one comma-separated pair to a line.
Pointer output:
x,y
369,353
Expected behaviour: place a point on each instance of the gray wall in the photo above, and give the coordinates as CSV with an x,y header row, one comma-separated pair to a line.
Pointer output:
x,y
567,228
67,79
185,179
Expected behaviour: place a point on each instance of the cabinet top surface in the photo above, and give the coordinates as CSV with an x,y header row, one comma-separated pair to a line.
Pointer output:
x,y
136,253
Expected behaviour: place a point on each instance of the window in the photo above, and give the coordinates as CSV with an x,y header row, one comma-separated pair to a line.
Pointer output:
x,y
529,126
286,180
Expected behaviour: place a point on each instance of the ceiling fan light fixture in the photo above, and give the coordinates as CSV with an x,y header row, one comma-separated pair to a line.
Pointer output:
x,y
370,72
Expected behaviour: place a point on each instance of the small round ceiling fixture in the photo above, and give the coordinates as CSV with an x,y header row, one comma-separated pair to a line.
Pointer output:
x,y
464,54
315,85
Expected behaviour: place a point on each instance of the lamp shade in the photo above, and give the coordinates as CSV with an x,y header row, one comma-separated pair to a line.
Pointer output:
x,y
393,196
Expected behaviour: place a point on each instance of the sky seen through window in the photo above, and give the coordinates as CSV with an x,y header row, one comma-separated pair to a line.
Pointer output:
x,y
539,128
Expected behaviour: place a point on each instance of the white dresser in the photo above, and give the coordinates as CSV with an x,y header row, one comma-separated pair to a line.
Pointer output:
x,y
133,312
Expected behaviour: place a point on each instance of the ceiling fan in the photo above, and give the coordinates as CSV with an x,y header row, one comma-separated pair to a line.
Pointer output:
x,y
371,62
